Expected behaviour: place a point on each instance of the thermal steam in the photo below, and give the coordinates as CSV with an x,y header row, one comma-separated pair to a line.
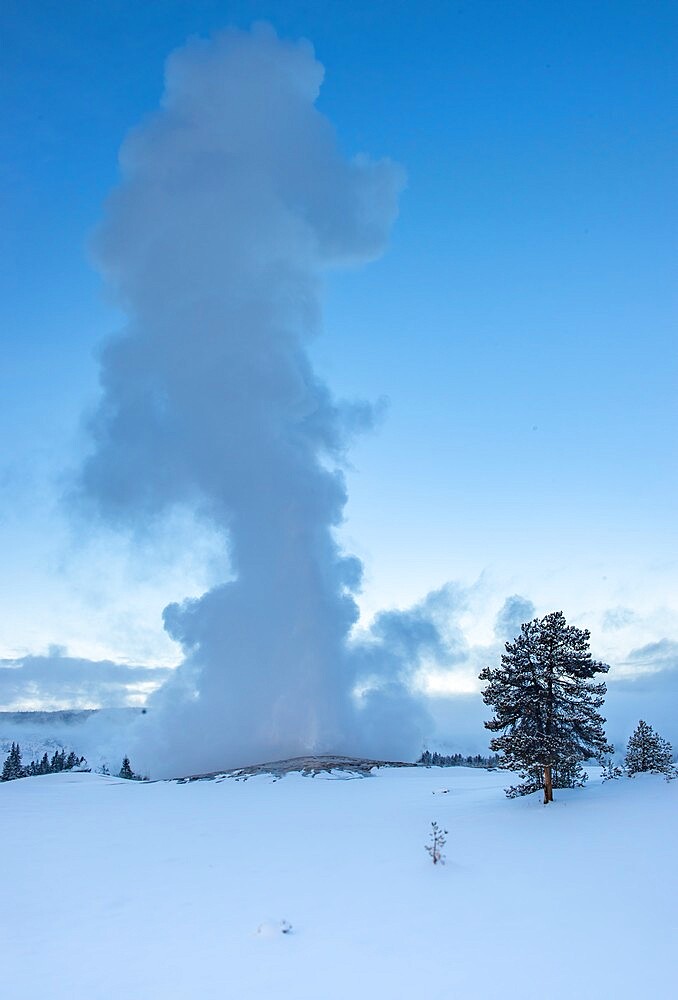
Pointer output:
x,y
234,200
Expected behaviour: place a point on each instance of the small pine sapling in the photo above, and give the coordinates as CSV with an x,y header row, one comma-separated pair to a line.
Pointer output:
x,y
435,848
610,771
126,770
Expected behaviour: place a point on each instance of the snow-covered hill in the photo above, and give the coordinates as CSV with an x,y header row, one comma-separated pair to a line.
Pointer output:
x,y
319,888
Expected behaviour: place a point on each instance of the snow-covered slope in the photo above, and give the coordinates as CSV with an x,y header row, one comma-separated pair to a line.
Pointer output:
x,y
114,889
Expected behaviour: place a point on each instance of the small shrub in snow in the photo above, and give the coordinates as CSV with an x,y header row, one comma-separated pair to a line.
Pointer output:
x,y
271,928
610,771
435,848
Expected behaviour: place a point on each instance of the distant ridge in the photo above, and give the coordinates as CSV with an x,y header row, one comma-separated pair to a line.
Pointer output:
x,y
68,716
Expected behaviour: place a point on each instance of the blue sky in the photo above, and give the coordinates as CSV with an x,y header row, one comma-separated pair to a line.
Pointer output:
x,y
520,327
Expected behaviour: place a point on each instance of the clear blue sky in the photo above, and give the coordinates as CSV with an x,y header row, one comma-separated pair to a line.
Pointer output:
x,y
522,324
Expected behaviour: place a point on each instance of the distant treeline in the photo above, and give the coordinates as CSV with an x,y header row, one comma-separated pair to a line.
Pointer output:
x,y
456,760
14,768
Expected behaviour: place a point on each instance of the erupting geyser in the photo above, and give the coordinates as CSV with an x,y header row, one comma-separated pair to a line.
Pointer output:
x,y
234,199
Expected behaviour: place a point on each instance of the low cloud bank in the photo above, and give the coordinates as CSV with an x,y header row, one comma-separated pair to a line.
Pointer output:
x,y
434,701
57,681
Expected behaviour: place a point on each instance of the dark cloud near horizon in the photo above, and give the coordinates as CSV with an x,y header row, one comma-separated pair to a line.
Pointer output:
x,y
651,693
58,680
655,656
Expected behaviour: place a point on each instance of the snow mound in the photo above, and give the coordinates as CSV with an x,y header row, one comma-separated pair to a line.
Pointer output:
x,y
273,928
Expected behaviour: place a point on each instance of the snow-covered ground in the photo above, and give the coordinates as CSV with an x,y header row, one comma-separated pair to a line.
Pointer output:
x,y
114,889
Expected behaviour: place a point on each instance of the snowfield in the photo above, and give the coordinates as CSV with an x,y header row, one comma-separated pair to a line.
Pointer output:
x,y
316,888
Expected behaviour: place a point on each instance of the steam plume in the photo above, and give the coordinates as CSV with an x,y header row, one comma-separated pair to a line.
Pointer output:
x,y
234,199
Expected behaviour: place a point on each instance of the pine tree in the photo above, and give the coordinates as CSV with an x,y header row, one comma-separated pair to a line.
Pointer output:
x,y
12,767
648,751
126,769
7,769
546,704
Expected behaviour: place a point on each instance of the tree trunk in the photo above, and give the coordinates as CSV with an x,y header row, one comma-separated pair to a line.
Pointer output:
x,y
548,785
548,777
